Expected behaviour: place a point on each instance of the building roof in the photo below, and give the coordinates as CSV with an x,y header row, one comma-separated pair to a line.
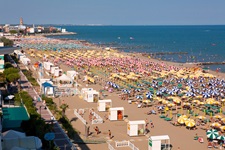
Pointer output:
x,y
13,117
7,50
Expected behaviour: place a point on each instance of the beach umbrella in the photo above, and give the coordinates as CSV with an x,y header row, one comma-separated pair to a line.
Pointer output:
x,y
139,97
126,91
196,101
149,95
216,124
217,116
176,100
212,134
165,102
170,92
160,107
9,97
182,119
189,123
170,105
205,95
223,119
188,94
138,90
201,117
222,128
186,104
221,137
158,93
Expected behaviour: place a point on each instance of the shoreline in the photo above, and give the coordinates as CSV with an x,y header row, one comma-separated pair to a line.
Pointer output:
x,y
140,54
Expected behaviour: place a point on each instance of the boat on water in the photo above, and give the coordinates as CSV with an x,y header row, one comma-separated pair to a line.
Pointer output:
x,y
131,38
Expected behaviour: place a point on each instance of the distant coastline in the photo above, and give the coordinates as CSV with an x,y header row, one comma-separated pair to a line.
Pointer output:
x,y
58,34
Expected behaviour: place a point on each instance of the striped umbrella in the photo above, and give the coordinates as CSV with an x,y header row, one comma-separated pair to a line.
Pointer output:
x,y
149,95
221,137
189,123
182,119
212,134
216,124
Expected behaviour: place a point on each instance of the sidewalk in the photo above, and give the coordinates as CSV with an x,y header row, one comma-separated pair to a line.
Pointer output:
x,y
61,139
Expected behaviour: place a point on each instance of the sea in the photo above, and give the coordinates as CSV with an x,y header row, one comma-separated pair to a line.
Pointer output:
x,y
185,44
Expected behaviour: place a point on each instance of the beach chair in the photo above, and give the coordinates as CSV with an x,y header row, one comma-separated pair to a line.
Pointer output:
x,y
210,145
168,119
200,139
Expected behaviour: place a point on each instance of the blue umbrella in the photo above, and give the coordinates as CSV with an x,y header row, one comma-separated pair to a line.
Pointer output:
x,y
139,97
149,95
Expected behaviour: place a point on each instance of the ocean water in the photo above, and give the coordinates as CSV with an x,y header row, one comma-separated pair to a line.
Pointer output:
x,y
200,43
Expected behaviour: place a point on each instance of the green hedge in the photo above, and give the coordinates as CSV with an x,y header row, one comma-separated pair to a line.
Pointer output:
x,y
35,126
30,78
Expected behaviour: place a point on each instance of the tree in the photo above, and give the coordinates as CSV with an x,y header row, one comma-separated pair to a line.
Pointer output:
x,y
8,65
7,42
13,77
64,107
13,32
2,78
8,71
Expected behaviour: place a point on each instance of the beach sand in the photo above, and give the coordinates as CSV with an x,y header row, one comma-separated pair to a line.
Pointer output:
x,y
179,136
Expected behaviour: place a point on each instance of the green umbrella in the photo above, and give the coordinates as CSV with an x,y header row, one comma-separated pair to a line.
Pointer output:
x,y
221,137
212,134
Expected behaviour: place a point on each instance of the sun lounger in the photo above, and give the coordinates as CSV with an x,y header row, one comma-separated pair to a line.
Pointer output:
x,y
168,119
210,145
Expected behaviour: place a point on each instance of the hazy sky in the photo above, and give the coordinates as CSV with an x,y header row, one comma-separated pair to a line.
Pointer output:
x,y
114,12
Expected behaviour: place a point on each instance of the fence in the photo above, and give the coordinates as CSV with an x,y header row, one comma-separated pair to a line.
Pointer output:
x,y
97,119
77,114
122,143
125,144
110,147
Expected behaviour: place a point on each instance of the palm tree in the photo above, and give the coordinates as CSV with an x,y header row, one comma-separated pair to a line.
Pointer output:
x,y
64,107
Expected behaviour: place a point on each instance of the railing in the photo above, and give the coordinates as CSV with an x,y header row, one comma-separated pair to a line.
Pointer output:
x,y
126,144
122,143
97,119
76,112
110,147
132,146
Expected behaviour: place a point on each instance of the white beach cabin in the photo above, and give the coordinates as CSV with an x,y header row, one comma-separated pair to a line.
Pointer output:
x,y
91,96
72,74
155,142
104,105
48,65
116,113
136,128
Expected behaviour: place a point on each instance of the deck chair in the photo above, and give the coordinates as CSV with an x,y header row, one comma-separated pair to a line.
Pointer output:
x,y
200,139
210,145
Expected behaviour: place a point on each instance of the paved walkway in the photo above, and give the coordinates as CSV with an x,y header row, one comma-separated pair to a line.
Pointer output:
x,y
61,139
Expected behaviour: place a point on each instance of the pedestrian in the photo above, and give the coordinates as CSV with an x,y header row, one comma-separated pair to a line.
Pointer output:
x,y
97,130
110,134
178,148
152,125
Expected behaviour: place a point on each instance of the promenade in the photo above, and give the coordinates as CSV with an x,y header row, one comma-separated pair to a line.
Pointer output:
x,y
61,139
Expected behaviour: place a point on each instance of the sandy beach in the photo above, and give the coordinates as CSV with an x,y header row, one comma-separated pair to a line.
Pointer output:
x,y
102,66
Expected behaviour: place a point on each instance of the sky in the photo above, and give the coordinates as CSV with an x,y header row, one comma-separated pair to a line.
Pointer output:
x,y
114,12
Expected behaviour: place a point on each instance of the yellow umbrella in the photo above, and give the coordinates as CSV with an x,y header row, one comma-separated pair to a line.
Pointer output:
x,y
196,101
223,119
182,119
201,103
216,103
176,100
170,105
201,117
187,104
165,101
216,124
190,123
217,116
210,101
222,128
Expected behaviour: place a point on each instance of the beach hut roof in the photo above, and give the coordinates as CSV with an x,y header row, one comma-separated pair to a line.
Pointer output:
x,y
47,84
63,78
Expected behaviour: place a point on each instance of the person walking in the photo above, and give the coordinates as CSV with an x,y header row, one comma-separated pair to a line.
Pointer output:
x,y
110,134
97,130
